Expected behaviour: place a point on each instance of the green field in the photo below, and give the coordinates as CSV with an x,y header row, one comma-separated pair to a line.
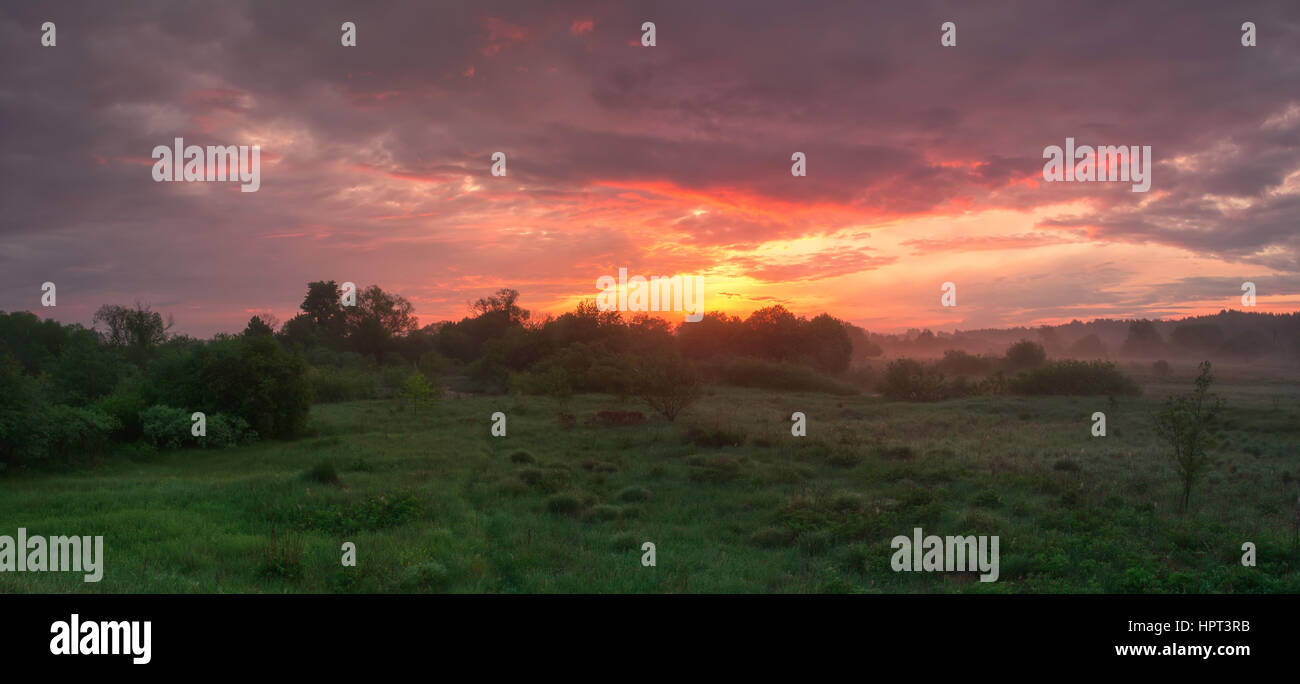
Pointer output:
x,y
434,503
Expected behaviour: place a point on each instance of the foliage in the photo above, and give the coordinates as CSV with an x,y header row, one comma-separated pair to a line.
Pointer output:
x,y
1187,424
668,384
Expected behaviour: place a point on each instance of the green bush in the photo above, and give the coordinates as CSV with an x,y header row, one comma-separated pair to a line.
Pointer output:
x,y
418,393
1069,377
331,385
72,433
910,380
251,377
125,403
166,427
323,472
21,407
171,428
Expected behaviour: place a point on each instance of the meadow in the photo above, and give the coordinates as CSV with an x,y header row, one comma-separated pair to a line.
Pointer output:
x,y
732,501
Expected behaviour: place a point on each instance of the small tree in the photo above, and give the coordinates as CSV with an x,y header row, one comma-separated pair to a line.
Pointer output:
x,y
418,392
1186,423
667,383
1025,355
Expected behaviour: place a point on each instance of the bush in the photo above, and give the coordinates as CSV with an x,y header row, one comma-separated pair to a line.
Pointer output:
x,y
166,427
125,404
958,362
71,433
323,472
281,557
251,377
776,375
418,393
910,380
172,428
331,385
21,407
1083,378
1188,423
668,384
1025,355
225,431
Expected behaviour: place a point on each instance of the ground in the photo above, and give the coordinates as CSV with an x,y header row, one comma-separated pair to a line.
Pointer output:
x,y
435,503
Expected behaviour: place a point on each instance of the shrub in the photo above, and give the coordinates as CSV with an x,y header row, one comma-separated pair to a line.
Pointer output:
x,y
226,431
958,362
1025,355
21,407
522,457
417,392
910,380
1068,377
166,427
715,471
331,385
1187,423
252,377
125,403
323,472
668,384
281,556
71,432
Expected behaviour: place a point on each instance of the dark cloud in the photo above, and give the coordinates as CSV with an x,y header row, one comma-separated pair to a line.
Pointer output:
x,y
377,157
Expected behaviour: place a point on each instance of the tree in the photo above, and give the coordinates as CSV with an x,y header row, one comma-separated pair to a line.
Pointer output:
x,y
139,329
503,304
377,319
717,334
1143,340
419,393
1025,355
1187,423
256,326
1200,338
828,344
774,333
324,307
667,383
1088,347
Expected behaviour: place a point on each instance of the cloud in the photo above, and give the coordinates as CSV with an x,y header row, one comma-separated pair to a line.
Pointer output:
x,y
667,159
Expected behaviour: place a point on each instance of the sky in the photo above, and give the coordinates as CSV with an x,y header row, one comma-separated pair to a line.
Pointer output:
x,y
924,162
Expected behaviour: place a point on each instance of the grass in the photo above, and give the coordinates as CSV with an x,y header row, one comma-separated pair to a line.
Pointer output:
x,y
434,503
